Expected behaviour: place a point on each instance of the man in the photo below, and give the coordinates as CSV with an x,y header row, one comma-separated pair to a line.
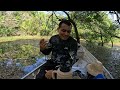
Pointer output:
x,y
63,48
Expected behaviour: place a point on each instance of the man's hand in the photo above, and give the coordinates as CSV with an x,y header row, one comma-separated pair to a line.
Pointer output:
x,y
43,44
48,74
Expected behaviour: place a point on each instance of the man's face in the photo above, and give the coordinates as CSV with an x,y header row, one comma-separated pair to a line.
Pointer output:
x,y
64,31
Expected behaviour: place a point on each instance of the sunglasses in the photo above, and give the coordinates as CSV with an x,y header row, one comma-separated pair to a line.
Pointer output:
x,y
68,31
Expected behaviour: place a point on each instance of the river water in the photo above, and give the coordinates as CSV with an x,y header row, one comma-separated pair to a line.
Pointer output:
x,y
110,57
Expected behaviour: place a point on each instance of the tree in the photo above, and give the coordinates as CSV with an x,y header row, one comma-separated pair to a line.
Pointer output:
x,y
95,24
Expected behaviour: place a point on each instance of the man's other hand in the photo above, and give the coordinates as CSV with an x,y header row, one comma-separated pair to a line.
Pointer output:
x,y
48,74
43,44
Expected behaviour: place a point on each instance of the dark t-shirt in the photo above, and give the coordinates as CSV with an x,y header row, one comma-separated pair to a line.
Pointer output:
x,y
62,49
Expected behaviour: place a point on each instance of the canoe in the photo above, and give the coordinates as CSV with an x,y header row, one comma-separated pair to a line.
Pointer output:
x,y
84,58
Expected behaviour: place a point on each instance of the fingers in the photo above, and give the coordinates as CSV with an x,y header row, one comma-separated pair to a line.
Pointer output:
x,y
42,44
48,74
42,40
46,71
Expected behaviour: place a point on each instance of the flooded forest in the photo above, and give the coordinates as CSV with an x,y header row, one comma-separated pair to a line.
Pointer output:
x,y
21,31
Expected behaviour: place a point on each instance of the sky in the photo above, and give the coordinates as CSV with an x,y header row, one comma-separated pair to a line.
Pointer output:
x,y
113,17
57,12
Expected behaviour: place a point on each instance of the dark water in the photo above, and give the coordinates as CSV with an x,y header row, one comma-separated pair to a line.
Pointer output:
x,y
110,57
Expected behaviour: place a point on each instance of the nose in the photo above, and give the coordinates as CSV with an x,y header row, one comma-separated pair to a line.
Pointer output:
x,y
66,33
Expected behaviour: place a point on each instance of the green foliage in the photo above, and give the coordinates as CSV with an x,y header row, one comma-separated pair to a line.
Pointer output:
x,y
16,51
96,25
27,51
6,31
